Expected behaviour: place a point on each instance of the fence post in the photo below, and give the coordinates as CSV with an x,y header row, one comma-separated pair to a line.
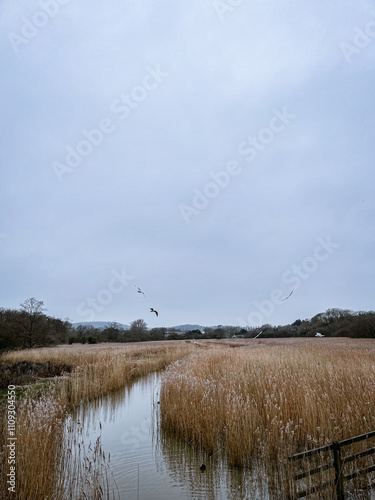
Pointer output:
x,y
339,478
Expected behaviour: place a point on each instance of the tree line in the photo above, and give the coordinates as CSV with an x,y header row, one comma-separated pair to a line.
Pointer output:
x,y
331,323
29,327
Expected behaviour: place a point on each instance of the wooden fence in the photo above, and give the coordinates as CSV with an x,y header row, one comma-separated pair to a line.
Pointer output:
x,y
338,463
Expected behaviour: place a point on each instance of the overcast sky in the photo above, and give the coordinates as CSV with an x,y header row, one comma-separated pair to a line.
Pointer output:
x,y
217,154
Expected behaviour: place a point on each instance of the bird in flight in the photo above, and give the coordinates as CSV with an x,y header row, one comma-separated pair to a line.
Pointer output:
x,y
153,310
282,300
140,291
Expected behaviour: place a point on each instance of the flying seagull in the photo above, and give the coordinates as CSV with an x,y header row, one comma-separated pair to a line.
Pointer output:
x,y
140,291
282,300
153,311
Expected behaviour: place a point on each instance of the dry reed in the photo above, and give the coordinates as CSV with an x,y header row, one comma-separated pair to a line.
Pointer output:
x,y
269,402
42,463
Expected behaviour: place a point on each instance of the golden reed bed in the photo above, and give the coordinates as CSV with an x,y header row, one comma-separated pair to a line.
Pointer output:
x,y
267,399
46,469
241,399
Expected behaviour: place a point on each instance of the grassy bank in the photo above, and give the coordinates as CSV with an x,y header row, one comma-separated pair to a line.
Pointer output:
x,y
95,370
267,402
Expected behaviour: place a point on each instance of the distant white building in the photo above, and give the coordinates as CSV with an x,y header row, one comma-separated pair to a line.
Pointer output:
x,y
319,334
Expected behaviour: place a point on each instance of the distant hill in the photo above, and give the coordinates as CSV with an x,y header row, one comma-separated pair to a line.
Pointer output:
x,y
100,325
186,328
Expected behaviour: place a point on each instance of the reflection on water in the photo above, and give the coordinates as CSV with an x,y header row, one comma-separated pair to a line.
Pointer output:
x,y
148,463
217,482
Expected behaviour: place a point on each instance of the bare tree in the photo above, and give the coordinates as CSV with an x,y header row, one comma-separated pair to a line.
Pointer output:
x,y
32,323
138,327
113,332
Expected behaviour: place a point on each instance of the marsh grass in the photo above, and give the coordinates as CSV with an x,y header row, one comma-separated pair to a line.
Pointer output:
x,y
44,464
83,470
269,402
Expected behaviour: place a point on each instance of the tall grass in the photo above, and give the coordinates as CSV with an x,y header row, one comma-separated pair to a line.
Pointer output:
x,y
42,463
272,401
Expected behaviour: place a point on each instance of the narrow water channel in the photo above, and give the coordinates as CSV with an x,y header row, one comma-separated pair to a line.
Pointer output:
x,y
149,464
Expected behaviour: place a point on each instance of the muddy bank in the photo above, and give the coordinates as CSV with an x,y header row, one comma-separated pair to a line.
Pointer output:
x,y
25,372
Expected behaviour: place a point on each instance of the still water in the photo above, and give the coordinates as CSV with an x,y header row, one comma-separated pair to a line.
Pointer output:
x,y
148,464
